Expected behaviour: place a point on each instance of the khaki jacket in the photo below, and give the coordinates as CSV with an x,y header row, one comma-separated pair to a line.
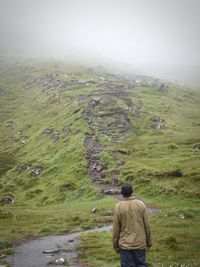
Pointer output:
x,y
131,228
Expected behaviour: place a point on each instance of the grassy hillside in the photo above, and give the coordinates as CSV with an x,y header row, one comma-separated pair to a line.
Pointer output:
x,y
64,127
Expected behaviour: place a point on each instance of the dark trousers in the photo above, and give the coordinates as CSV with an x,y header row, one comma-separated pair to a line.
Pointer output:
x,y
133,258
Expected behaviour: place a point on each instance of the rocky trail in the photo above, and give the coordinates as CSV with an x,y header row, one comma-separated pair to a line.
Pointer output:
x,y
108,116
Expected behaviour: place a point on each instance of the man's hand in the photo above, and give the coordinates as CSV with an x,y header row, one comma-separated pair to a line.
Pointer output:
x,y
149,246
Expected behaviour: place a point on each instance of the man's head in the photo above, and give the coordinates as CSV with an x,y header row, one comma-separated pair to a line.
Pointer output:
x,y
126,190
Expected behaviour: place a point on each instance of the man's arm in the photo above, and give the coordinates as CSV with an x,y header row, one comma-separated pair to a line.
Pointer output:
x,y
147,229
116,231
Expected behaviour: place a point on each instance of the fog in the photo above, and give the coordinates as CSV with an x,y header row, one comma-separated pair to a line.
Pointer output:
x,y
157,37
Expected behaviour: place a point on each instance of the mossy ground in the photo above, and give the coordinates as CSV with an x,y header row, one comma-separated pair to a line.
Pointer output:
x,y
164,163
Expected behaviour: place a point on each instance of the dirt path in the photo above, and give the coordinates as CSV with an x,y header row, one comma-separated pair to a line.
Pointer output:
x,y
30,253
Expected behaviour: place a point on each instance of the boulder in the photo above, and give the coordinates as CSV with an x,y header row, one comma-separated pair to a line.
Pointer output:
x,y
66,131
196,147
2,256
51,251
158,122
94,210
163,88
10,123
47,131
7,200
55,136
24,167
59,261
36,171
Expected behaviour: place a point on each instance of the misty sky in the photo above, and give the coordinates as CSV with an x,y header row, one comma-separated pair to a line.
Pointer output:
x,y
163,32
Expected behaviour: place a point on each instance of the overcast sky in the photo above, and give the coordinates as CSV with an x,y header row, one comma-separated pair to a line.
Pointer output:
x,y
152,32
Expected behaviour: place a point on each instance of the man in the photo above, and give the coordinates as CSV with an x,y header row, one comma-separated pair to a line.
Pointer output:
x,y
131,230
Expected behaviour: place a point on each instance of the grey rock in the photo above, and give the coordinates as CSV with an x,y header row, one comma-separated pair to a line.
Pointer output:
x,y
7,200
47,131
55,136
36,171
110,192
66,130
24,167
94,210
10,123
163,88
2,256
51,251
158,122
59,261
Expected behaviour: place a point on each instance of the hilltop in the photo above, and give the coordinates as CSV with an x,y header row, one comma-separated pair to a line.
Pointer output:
x,y
57,121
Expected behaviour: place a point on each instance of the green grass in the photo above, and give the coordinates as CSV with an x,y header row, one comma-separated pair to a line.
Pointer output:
x,y
18,222
63,193
175,231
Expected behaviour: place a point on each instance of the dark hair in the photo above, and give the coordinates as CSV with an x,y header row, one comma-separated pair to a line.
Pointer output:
x,y
126,190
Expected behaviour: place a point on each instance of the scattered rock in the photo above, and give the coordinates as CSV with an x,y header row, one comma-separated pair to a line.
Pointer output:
x,y
10,123
50,132
59,261
47,131
7,200
94,210
2,256
158,122
196,147
66,130
51,251
71,240
55,136
110,192
182,216
36,171
95,101
96,166
163,88
24,167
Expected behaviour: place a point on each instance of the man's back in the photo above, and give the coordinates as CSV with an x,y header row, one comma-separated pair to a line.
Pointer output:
x,y
130,226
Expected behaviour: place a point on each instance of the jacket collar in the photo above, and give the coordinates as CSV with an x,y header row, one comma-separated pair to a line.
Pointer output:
x,y
129,198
